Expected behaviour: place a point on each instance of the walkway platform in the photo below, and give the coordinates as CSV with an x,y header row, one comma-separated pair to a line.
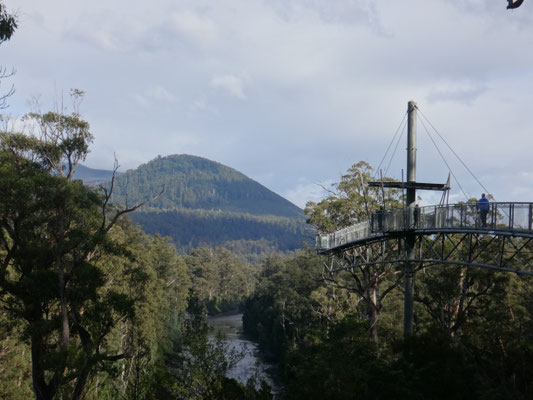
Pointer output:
x,y
503,219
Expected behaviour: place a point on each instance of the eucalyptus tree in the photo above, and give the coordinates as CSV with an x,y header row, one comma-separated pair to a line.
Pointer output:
x,y
348,202
53,233
220,280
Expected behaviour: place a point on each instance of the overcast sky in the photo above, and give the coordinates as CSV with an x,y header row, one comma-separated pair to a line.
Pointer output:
x,y
290,92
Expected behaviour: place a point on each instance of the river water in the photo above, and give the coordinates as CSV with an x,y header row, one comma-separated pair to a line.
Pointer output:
x,y
252,363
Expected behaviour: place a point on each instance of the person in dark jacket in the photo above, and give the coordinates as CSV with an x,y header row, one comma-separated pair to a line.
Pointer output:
x,y
483,208
416,215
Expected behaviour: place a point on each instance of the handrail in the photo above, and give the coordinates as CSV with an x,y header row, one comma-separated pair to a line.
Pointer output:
x,y
509,217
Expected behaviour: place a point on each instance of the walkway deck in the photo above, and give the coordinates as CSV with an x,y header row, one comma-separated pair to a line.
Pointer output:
x,y
511,219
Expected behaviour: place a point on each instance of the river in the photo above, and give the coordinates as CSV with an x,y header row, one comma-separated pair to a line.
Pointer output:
x,y
252,362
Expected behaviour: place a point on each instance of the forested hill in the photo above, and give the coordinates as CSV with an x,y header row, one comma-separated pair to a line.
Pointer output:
x,y
208,203
195,183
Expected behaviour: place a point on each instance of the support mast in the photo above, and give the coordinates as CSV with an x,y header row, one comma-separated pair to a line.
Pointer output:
x,y
410,238
411,187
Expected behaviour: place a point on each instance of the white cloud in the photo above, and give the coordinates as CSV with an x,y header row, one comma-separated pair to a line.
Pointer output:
x,y
305,192
153,95
195,27
141,100
456,92
161,94
231,84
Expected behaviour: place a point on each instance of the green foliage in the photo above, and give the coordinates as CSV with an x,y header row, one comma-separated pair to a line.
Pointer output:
x,y
432,365
49,227
199,364
64,139
8,24
345,366
15,362
454,296
312,330
253,251
195,367
280,313
197,183
88,292
152,274
207,203
193,228
220,280
350,200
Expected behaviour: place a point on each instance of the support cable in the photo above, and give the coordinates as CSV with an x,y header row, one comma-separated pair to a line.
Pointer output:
x,y
400,127
396,147
444,159
455,154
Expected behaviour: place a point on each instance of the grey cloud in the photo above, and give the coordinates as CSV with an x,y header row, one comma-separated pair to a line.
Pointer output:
x,y
346,12
324,87
466,94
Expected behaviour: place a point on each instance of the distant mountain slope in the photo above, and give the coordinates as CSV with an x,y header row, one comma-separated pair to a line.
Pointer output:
x,y
197,227
195,183
92,176
207,203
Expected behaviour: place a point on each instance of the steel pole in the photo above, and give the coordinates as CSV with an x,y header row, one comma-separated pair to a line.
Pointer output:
x,y
410,239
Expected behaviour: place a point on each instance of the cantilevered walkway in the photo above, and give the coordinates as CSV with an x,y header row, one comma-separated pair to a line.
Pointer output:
x,y
507,219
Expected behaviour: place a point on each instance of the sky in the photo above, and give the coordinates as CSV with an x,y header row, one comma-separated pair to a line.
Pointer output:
x,y
291,92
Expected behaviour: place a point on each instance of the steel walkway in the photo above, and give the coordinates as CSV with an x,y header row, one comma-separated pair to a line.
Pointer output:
x,y
450,234
509,219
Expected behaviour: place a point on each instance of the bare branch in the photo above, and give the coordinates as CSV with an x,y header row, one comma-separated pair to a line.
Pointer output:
x,y
108,194
106,226
326,189
4,74
127,210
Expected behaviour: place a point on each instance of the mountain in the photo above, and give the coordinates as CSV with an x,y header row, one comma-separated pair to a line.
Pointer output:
x,y
207,203
196,183
92,176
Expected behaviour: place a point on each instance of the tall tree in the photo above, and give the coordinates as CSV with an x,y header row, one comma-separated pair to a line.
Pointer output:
x,y
351,201
53,230
220,280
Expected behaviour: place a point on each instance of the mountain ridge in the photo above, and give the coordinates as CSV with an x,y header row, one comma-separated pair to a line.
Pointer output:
x,y
208,203
193,182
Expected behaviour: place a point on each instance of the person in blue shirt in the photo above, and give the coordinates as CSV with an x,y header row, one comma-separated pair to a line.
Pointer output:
x,y
483,207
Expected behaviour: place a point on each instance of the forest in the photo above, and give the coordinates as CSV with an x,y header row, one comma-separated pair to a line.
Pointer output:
x,y
206,203
191,228
195,183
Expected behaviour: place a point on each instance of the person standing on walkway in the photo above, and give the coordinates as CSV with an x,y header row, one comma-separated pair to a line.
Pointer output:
x,y
483,207
416,216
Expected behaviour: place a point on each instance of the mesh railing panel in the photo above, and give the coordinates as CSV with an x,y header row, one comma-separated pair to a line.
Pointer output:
x,y
516,217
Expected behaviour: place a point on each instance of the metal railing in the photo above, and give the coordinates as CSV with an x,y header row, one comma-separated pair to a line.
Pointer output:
x,y
508,217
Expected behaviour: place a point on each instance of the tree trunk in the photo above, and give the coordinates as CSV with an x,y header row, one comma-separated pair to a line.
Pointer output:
x,y
373,314
80,384
40,388
65,326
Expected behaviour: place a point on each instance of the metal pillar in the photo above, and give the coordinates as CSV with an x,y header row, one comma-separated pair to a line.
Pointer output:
x,y
410,239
